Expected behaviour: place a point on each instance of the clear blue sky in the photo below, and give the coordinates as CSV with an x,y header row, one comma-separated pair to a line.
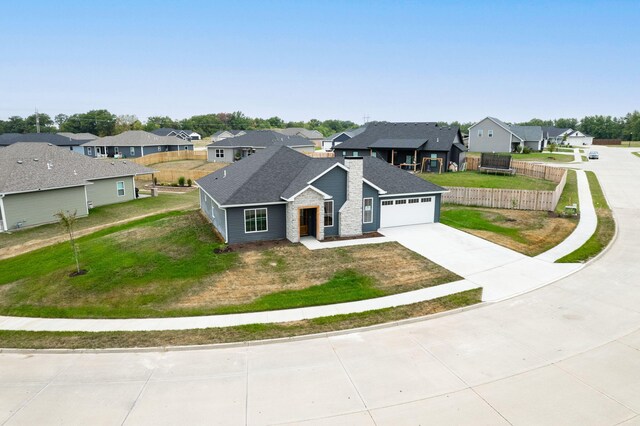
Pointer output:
x,y
390,60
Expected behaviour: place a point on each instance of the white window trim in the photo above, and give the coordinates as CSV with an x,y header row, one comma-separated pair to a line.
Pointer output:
x,y
159,148
332,214
480,133
89,151
116,150
124,189
363,209
490,133
219,153
132,151
244,218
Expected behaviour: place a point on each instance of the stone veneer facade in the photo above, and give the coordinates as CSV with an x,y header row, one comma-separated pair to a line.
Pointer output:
x,y
308,198
351,211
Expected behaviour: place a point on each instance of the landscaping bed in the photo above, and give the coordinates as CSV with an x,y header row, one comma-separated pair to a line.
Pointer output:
x,y
166,265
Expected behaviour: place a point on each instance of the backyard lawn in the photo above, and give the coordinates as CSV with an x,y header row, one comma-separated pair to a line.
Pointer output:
x,y
188,165
475,179
165,265
545,157
99,216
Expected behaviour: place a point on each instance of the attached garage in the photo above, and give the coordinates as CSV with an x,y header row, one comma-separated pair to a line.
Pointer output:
x,y
408,211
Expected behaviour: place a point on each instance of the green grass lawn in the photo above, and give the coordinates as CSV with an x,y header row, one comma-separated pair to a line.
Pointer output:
x,y
544,157
637,154
475,179
570,193
604,231
481,220
105,215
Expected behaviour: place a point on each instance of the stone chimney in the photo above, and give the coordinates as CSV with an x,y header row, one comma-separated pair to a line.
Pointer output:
x,y
351,211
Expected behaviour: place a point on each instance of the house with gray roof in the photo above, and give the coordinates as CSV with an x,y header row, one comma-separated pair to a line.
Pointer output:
x,y
224,134
71,141
134,143
329,143
187,135
408,145
38,180
238,147
280,193
493,135
313,135
555,135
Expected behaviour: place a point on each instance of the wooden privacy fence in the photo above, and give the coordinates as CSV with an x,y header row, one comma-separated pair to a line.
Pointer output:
x,y
607,142
517,199
163,157
526,168
171,176
320,154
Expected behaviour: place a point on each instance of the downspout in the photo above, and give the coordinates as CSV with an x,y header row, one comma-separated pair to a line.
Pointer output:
x,y
5,224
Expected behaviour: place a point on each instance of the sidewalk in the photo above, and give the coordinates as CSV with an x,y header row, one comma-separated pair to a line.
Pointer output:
x,y
503,273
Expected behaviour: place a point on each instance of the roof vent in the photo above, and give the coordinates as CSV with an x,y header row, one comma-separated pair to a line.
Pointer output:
x,y
437,139
75,173
35,159
49,166
19,161
113,164
224,174
49,144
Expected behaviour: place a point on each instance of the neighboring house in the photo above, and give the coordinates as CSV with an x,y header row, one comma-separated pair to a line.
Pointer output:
x,y
493,135
280,193
555,135
71,141
38,180
313,135
336,139
134,143
187,135
576,137
225,134
239,147
407,144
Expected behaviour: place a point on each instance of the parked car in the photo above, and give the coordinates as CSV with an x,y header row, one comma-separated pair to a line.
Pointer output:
x,y
593,155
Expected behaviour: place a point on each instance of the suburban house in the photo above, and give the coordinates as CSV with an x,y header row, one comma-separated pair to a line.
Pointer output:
x,y
408,145
328,144
71,141
280,193
134,143
224,134
555,135
239,147
313,135
187,135
493,135
38,180
576,137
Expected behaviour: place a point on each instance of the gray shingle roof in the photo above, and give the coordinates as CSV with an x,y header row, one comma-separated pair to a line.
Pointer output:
x,y
280,172
300,131
527,133
26,167
399,143
79,136
262,139
438,138
164,131
136,138
552,132
7,139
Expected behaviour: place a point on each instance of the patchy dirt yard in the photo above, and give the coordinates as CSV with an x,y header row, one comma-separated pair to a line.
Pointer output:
x,y
293,267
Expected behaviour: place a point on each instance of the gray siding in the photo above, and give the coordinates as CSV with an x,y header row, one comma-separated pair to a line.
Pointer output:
x,y
105,191
334,183
215,214
369,192
36,208
276,217
499,142
226,158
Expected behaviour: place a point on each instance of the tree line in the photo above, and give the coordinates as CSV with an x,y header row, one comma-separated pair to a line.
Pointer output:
x,y
103,123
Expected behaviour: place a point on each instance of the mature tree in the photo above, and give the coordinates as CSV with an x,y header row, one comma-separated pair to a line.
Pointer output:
x,y
67,221
632,126
158,122
602,127
127,122
46,124
276,122
294,124
239,121
566,123
60,119
537,122
99,122
15,124
206,125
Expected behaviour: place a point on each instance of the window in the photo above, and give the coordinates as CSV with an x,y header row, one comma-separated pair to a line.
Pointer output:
x,y
479,133
344,153
409,159
373,154
414,200
425,200
132,151
367,210
219,153
355,153
490,133
159,148
401,202
328,213
89,151
120,188
116,150
186,147
255,220
387,203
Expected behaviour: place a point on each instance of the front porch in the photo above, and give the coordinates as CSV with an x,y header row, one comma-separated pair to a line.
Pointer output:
x,y
412,160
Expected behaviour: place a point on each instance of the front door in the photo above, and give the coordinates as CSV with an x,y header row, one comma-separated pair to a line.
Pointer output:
x,y
304,223
307,221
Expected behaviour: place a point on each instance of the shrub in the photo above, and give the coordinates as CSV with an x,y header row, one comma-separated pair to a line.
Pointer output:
x,y
155,180
553,147
181,181
189,182
518,149
526,150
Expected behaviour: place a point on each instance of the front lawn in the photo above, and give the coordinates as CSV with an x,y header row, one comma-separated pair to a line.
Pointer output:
x,y
100,216
544,157
604,231
165,265
474,179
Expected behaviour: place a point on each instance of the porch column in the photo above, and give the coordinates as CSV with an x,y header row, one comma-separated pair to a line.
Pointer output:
x,y
415,160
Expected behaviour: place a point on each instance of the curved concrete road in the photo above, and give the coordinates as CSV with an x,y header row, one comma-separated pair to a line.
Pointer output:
x,y
568,353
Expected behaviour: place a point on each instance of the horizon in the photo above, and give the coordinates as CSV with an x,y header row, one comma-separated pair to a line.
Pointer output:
x,y
326,60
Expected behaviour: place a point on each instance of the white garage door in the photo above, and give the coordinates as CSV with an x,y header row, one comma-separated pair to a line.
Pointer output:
x,y
407,211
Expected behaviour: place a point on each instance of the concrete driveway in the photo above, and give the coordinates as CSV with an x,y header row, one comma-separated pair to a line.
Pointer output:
x,y
565,354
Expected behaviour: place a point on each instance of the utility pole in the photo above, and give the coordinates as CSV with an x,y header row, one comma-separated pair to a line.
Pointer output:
x,y
37,122
365,119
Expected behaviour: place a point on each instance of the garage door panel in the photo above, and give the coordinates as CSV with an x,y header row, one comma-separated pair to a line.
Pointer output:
x,y
407,212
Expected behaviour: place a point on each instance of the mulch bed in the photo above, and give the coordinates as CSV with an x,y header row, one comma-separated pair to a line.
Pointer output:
x,y
163,188
258,245
374,234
